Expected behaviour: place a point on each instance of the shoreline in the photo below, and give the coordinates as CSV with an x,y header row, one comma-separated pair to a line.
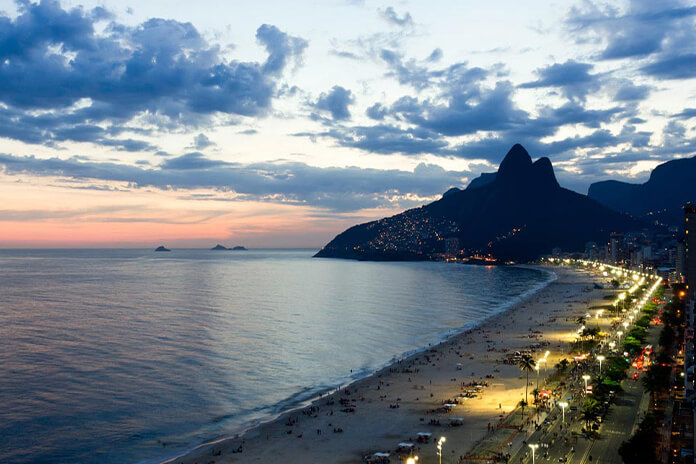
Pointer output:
x,y
396,360
288,432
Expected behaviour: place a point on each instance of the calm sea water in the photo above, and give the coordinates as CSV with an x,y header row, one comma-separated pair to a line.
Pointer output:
x,y
125,356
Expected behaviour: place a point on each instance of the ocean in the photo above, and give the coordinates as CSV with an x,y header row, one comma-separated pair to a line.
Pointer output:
x,y
130,356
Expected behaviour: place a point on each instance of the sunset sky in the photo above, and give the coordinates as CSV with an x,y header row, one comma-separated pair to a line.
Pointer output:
x,y
279,124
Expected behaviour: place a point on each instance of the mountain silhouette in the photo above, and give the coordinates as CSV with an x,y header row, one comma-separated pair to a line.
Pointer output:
x,y
516,214
660,199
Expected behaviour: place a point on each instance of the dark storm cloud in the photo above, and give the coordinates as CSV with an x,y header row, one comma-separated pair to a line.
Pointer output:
x,y
338,189
336,102
51,58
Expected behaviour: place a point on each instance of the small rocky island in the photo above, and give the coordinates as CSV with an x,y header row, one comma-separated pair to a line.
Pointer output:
x,y
162,248
219,247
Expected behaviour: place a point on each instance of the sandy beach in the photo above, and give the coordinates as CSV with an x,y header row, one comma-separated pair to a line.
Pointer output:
x,y
394,405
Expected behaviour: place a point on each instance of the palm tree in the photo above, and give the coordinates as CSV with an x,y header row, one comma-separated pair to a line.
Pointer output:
x,y
589,411
527,364
562,366
589,333
593,332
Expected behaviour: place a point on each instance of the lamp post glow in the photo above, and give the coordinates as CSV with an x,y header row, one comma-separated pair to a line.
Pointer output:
x,y
534,446
537,369
585,378
612,345
600,358
619,333
412,460
625,324
563,405
439,448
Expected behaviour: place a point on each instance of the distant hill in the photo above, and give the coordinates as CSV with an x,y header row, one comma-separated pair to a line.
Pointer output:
x,y
518,213
162,248
661,198
484,179
219,247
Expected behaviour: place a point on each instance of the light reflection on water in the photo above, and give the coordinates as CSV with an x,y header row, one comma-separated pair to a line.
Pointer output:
x,y
107,354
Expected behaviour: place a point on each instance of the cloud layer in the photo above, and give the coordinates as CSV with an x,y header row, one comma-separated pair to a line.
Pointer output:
x,y
389,96
105,75
336,189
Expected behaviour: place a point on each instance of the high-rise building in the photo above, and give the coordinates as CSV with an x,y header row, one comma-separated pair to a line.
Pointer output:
x,y
680,261
452,246
690,248
616,248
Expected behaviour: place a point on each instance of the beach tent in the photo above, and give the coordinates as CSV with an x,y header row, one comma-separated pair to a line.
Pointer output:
x,y
456,421
424,437
405,446
449,405
377,458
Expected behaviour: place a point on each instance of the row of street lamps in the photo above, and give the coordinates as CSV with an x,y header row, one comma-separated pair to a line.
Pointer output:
x,y
564,404
639,279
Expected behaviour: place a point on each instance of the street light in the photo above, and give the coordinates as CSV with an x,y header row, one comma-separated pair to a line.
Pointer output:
x,y
412,460
619,333
534,446
625,324
600,358
563,405
439,448
612,345
537,369
586,378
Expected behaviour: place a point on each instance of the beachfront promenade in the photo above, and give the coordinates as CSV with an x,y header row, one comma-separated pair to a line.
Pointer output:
x,y
620,422
467,389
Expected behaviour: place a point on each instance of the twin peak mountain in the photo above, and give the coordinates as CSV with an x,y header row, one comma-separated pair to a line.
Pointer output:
x,y
516,214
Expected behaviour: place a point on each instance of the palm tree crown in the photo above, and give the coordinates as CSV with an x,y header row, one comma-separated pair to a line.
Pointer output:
x,y
526,364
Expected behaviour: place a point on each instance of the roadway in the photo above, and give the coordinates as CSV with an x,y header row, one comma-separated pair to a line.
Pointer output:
x,y
567,442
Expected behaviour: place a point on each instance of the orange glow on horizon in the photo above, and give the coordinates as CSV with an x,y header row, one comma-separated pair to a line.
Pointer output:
x,y
124,217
